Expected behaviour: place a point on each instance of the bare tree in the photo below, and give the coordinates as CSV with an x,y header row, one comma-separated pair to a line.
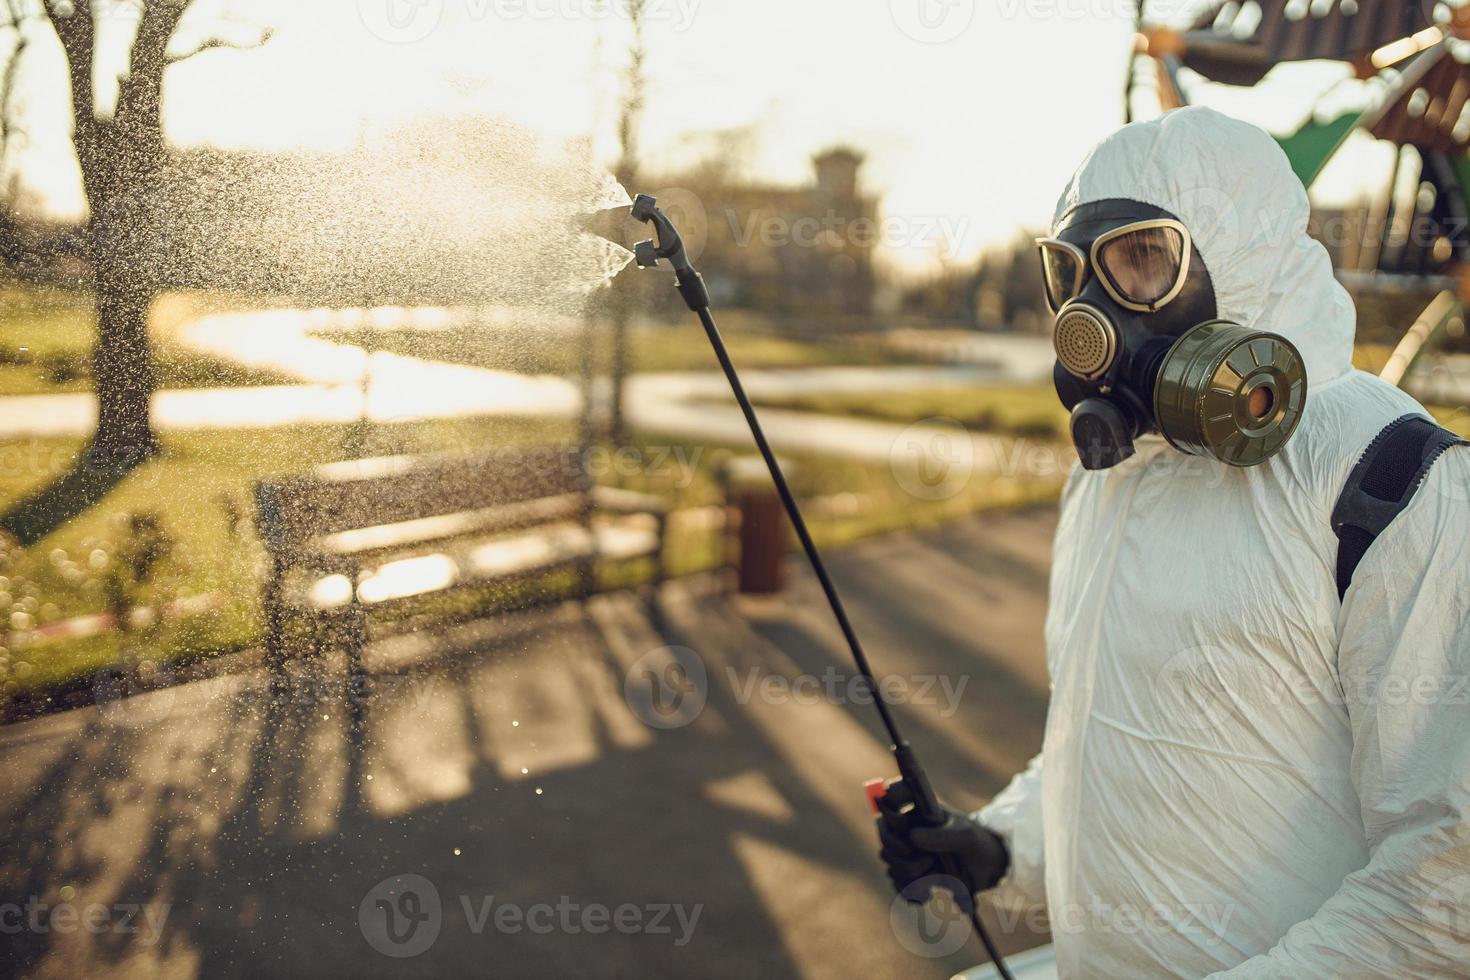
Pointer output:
x,y
122,157
14,23
629,117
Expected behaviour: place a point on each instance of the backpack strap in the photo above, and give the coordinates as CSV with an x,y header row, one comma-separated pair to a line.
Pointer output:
x,y
1387,476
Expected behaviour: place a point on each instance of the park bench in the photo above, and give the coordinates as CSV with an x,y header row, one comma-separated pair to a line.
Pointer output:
x,y
376,534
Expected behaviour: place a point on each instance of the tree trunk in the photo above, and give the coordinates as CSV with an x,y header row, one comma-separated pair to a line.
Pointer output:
x,y
121,171
122,362
121,159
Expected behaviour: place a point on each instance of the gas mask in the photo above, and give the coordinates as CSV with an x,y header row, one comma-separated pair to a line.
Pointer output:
x,y
1140,347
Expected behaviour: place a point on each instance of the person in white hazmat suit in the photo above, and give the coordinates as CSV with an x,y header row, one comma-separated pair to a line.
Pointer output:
x,y
1243,773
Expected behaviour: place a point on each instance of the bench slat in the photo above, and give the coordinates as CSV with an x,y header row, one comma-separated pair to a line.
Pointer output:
x,y
366,493
364,541
481,562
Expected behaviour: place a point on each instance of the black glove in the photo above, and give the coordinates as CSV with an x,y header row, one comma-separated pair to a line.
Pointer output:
x,y
913,850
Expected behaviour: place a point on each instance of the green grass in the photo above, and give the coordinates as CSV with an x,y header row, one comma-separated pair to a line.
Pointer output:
x,y
651,347
199,492
1024,411
46,340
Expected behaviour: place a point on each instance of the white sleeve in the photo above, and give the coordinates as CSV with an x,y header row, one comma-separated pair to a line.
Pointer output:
x,y
1015,814
1403,663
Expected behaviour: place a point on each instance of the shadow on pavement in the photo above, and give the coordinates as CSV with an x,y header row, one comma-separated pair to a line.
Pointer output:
x,y
223,829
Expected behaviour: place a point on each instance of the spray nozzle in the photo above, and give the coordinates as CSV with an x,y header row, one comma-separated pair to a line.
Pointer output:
x,y
666,244
670,246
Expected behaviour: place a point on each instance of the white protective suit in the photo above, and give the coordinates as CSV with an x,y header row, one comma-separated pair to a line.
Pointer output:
x,y
1241,775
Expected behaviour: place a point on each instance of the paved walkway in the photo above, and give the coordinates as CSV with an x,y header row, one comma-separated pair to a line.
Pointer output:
x,y
510,763
687,405
692,405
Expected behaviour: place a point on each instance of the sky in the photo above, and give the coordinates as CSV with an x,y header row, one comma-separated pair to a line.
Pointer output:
x,y
971,113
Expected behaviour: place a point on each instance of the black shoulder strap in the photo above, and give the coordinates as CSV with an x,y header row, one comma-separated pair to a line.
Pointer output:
x,y
1386,478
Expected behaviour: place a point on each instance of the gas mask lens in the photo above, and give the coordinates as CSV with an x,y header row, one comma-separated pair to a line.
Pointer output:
x,y
1062,264
1143,265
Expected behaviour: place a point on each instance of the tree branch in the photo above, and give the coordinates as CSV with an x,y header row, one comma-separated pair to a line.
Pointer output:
x,y
210,44
73,24
7,78
139,92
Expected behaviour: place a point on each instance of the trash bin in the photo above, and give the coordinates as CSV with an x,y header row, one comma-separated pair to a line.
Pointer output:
x,y
760,524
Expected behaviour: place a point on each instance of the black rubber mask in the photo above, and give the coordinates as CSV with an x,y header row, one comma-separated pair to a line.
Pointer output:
x,y
1140,346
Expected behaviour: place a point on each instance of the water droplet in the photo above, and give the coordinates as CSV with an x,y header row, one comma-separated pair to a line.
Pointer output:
x,y
68,893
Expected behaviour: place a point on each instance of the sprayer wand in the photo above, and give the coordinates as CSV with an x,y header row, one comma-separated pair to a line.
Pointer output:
x,y
913,782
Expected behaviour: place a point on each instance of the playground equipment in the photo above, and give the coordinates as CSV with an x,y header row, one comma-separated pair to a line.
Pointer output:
x,y
1413,236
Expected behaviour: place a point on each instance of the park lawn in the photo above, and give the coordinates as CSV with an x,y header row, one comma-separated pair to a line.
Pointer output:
x,y
46,340
199,491
652,346
1021,410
